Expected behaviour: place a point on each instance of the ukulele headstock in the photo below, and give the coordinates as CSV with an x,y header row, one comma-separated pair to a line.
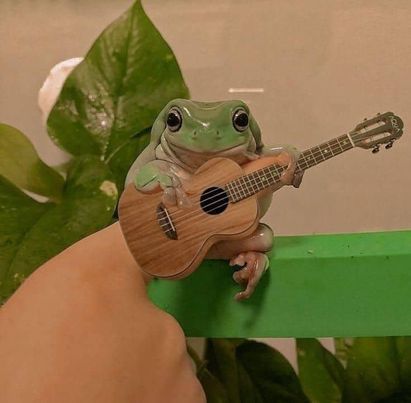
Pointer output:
x,y
384,128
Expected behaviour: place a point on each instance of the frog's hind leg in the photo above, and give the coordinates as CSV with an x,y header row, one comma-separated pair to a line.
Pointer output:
x,y
248,253
254,265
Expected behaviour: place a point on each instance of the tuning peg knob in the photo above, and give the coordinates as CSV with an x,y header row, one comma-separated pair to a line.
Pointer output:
x,y
376,149
389,145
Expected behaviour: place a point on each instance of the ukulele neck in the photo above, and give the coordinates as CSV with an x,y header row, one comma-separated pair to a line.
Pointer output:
x,y
253,183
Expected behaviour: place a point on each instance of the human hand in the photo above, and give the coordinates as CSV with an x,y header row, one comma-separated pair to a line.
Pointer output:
x,y
82,329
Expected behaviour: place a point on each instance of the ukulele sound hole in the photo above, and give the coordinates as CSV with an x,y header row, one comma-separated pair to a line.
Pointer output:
x,y
214,200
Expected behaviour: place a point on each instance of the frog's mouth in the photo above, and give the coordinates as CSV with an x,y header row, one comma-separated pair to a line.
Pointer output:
x,y
229,151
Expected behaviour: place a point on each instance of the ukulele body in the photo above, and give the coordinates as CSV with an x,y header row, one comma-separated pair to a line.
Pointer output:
x,y
167,241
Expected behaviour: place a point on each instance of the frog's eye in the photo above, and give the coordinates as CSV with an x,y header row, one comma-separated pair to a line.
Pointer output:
x,y
240,120
174,119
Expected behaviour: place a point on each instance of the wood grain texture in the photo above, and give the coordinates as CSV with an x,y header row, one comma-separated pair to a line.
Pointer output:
x,y
197,231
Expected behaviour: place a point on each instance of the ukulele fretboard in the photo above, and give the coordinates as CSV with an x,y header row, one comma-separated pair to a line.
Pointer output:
x,y
250,184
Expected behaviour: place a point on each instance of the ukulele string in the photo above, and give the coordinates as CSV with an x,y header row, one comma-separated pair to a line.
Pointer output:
x,y
315,155
197,213
179,217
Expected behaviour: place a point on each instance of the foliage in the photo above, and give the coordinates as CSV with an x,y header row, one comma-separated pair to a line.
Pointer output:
x,y
321,374
102,117
126,78
245,371
20,164
32,232
377,370
238,371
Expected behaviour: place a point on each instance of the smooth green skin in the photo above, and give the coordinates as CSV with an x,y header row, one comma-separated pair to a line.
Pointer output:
x,y
108,100
21,165
31,232
149,174
207,128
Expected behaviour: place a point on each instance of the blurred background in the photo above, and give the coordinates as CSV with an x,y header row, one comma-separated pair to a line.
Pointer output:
x,y
309,70
315,69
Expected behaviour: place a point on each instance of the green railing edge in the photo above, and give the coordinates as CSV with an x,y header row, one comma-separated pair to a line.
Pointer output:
x,y
325,285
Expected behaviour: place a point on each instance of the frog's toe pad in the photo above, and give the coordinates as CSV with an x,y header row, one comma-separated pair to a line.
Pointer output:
x,y
253,264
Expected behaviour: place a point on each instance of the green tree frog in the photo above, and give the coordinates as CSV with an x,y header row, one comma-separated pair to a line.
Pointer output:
x,y
184,136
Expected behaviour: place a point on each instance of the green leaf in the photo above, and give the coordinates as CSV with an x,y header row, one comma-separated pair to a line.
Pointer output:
x,y
403,345
252,372
214,390
404,397
321,374
18,214
271,374
378,370
127,152
248,391
228,370
222,363
32,232
21,165
342,347
127,77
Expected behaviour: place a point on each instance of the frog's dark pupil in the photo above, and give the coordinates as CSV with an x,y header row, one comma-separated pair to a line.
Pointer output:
x,y
241,120
173,120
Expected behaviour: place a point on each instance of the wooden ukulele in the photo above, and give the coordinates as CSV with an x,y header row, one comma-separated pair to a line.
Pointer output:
x,y
171,242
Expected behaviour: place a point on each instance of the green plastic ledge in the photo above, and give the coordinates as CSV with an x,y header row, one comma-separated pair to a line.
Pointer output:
x,y
317,286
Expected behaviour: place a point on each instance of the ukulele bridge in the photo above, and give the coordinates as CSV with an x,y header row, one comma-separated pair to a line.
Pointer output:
x,y
165,222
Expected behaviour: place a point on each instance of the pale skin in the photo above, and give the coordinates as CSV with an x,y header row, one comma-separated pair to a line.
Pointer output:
x,y
82,329
187,134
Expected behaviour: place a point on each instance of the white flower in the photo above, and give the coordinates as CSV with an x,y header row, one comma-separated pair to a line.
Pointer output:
x,y
53,84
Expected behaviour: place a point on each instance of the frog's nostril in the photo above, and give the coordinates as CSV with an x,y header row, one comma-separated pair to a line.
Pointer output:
x,y
217,134
194,134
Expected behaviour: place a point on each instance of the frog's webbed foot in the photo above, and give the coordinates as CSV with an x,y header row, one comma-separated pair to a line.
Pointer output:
x,y
254,265
167,177
175,196
173,190
287,157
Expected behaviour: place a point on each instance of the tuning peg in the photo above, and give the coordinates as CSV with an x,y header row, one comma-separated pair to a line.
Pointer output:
x,y
389,145
376,149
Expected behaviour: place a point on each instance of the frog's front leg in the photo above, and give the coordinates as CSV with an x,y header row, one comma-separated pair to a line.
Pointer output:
x,y
286,156
161,175
248,253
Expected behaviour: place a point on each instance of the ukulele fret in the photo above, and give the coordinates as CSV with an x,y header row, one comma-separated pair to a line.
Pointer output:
x,y
252,183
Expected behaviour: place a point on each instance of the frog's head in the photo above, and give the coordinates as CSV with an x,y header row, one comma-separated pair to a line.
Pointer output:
x,y
207,127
